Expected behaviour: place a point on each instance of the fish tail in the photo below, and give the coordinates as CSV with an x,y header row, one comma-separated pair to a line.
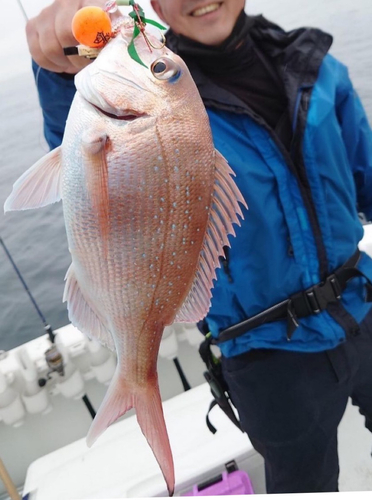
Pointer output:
x,y
150,417
120,398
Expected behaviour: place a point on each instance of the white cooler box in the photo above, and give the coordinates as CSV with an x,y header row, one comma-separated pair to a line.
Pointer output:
x,y
120,464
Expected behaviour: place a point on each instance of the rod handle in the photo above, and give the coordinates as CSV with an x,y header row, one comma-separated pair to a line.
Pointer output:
x,y
8,483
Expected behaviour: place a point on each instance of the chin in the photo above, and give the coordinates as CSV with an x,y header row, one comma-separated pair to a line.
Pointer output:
x,y
214,38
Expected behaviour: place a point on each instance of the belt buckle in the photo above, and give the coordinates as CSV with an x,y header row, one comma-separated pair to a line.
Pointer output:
x,y
316,303
312,301
335,286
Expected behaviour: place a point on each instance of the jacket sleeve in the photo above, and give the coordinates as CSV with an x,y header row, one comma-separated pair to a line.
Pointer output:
x,y
56,92
357,136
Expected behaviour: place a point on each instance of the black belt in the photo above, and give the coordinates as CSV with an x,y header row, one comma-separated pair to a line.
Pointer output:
x,y
313,300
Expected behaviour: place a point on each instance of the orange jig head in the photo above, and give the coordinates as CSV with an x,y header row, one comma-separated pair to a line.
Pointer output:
x,y
91,26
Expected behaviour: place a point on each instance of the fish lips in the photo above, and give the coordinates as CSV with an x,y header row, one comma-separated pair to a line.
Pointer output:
x,y
104,108
86,89
127,115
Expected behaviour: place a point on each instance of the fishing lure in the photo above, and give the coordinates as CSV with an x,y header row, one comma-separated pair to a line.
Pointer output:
x,y
93,28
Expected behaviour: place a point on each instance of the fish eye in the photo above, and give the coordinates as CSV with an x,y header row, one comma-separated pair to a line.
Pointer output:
x,y
165,69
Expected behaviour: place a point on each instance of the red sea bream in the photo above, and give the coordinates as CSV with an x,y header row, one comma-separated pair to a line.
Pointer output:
x,y
148,203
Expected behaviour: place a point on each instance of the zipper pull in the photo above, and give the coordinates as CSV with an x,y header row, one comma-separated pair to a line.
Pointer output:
x,y
225,264
306,100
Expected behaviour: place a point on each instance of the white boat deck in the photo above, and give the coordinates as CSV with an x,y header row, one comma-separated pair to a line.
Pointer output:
x,y
121,463
109,470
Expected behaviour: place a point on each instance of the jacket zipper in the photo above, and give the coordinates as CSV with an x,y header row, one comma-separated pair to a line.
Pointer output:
x,y
294,160
224,260
299,123
303,97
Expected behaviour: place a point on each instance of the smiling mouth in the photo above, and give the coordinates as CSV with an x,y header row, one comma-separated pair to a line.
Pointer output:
x,y
128,116
207,9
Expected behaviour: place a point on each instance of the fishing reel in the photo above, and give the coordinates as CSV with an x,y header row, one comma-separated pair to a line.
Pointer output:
x,y
69,382
53,358
55,362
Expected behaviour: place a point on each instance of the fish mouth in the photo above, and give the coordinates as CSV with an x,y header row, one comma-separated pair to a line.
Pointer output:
x,y
206,9
127,115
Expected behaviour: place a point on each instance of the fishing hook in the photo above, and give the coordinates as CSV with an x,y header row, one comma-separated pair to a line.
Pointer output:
x,y
162,41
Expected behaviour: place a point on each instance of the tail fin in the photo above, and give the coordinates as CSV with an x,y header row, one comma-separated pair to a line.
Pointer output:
x,y
120,398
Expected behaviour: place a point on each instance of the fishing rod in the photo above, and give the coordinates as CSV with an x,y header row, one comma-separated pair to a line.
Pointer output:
x,y
47,327
20,5
53,357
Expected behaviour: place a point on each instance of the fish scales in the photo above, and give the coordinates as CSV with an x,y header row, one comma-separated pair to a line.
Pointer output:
x,y
148,203
146,228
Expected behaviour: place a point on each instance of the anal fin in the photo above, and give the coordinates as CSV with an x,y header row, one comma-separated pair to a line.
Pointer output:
x,y
81,313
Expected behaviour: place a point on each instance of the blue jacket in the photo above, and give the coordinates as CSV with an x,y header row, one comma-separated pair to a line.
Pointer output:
x,y
302,221
275,253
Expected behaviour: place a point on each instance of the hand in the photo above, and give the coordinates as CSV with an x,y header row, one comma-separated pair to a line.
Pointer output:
x,y
50,31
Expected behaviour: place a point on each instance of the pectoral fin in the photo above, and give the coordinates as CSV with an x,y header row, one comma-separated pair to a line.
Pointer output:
x,y
94,144
39,186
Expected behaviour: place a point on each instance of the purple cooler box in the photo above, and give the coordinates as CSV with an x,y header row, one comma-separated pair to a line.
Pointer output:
x,y
227,483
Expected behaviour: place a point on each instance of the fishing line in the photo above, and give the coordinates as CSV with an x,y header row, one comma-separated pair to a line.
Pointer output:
x,y
47,327
52,355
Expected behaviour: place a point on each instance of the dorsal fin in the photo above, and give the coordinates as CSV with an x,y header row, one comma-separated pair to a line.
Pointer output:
x,y
223,213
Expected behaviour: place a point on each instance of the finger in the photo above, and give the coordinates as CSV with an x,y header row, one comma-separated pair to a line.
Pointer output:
x,y
40,56
50,31
43,43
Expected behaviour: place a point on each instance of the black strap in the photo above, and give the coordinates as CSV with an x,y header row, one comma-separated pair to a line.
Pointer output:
x,y
210,426
313,300
217,384
71,51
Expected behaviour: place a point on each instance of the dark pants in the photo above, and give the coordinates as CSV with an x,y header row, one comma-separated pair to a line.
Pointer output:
x,y
290,405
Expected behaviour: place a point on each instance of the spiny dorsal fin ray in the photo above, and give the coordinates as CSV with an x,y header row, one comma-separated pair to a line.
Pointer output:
x,y
224,207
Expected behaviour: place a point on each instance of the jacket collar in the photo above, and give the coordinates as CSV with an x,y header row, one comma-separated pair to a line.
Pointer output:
x,y
296,55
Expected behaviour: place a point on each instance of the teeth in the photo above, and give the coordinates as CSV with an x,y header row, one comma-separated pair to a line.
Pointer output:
x,y
205,10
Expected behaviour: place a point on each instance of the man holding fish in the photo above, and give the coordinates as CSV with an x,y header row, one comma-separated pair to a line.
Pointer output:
x,y
291,304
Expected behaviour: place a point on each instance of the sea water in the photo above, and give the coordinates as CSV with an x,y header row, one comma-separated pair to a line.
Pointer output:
x,y
36,239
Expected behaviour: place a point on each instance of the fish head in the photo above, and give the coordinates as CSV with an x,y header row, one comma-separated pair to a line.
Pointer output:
x,y
157,85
